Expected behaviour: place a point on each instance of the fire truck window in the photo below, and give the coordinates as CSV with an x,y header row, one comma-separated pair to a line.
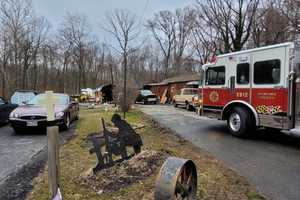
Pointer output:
x,y
215,76
242,73
267,72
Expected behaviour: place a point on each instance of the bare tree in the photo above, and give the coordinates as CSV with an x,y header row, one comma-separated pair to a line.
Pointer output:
x,y
291,9
258,28
16,16
231,19
205,40
40,30
75,32
123,26
185,22
4,56
162,27
36,33
271,24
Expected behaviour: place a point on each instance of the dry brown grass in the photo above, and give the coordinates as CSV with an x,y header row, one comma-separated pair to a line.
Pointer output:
x,y
215,181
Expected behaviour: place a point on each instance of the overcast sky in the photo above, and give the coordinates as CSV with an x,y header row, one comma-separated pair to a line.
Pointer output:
x,y
95,10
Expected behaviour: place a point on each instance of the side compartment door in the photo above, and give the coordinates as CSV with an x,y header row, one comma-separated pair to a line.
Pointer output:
x,y
269,92
297,82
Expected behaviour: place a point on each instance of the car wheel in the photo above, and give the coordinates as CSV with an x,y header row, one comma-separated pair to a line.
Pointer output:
x,y
188,107
240,123
67,122
175,104
17,131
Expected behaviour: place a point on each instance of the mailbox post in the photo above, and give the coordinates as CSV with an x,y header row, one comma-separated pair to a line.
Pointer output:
x,y
49,102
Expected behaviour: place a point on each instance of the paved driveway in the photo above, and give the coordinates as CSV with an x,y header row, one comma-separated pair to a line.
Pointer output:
x,y
271,161
18,150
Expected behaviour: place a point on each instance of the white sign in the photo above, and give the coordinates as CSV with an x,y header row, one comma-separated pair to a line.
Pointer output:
x,y
48,101
58,195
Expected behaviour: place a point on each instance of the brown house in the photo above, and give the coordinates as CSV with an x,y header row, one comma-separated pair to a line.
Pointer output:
x,y
169,87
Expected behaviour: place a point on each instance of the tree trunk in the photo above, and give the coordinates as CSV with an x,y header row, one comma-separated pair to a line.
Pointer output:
x,y
45,82
125,83
111,75
24,76
35,74
3,85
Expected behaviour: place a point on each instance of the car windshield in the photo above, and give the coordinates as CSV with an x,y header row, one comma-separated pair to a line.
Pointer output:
x,y
21,97
146,92
62,99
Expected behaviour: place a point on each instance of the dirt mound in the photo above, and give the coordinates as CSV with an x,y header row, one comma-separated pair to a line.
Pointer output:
x,y
126,173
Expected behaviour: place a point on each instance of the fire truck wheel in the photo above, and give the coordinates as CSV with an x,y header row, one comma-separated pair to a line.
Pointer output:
x,y
240,122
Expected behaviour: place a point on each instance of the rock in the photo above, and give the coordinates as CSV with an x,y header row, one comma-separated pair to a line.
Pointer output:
x,y
100,192
87,173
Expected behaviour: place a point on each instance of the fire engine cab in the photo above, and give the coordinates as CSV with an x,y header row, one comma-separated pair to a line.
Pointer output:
x,y
254,88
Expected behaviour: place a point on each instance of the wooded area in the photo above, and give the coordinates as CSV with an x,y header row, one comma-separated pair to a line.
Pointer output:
x,y
34,56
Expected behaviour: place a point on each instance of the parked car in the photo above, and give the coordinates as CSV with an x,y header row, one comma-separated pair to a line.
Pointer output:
x,y
22,96
185,97
146,97
32,115
5,109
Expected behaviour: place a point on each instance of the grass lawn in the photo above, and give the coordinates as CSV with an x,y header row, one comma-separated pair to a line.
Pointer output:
x,y
215,181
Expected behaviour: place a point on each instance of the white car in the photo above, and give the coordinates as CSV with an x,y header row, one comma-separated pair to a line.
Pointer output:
x,y
185,98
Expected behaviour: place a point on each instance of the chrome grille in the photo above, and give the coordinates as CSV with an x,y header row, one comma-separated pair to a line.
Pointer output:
x,y
33,117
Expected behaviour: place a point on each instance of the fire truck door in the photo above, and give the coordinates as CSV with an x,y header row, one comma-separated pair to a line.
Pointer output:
x,y
242,87
296,95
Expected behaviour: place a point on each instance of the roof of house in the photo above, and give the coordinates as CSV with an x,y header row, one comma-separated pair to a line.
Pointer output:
x,y
183,78
178,79
156,84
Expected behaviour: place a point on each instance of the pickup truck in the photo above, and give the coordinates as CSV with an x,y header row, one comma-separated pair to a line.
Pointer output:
x,y
185,97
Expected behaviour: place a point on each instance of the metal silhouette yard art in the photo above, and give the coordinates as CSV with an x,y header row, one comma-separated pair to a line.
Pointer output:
x,y
114,143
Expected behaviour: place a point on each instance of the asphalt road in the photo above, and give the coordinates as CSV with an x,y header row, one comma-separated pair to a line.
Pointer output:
x,y
270,161
22,155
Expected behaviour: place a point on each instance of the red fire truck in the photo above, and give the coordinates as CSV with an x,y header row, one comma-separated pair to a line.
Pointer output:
x,y
254,88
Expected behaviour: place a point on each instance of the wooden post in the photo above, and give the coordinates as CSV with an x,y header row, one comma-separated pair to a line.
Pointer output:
x,y
53,161
48,101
